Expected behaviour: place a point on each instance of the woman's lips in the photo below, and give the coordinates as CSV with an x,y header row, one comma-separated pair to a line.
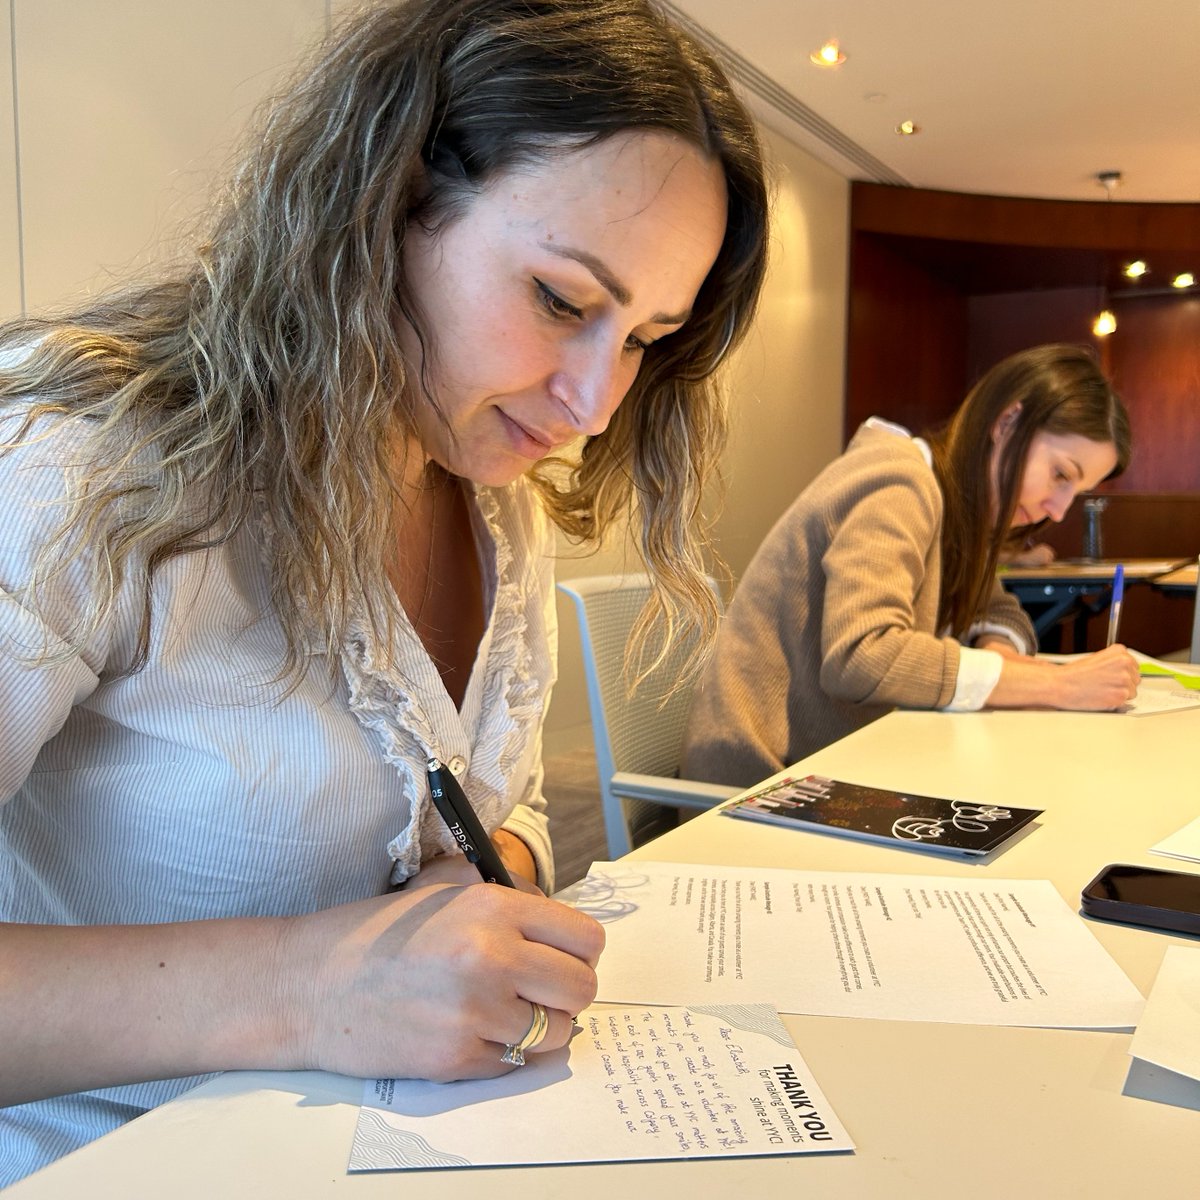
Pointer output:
x,y
527,441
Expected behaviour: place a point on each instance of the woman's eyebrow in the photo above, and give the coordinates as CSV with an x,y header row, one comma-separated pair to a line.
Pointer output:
x,y
609,282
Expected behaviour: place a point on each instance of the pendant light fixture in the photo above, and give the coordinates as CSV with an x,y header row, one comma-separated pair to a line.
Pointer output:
x,y
1106,320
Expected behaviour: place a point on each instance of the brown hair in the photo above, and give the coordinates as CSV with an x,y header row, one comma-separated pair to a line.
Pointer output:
x,y
1060,390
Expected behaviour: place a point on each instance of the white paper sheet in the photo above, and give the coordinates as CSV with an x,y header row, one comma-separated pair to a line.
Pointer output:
x,y
1159,696
1168,1035
1183,843
1163,693
666,1083
1156,693
898,947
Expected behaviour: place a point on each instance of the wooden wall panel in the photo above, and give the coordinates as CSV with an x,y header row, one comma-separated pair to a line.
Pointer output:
x,y
906,340
926,308
1135,526
1155,365
1000,325
1013,221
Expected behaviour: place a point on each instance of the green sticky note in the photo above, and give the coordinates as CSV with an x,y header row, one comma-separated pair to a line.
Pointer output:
x,y
1191,682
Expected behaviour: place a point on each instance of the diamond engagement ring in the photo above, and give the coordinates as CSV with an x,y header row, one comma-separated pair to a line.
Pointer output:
x,y
539,1026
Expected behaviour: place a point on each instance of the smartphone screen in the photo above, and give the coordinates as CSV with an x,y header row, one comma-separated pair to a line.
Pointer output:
x,y
1145,896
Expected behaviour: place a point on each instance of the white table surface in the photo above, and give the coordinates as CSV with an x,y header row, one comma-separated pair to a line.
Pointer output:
x,y
936,1110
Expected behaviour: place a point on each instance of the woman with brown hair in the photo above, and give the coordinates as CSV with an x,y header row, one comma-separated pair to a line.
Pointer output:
x,y
877,589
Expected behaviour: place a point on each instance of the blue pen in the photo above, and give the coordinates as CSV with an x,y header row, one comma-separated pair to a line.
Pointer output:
x,y
1118,598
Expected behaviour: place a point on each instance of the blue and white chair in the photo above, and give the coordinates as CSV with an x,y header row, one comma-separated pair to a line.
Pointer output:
x,y
638,738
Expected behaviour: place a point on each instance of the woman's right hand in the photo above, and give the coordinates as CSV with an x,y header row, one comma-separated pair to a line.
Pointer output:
x,y
1100,681
431,982
1091,683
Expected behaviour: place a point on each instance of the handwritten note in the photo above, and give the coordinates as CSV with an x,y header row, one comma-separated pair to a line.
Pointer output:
x,y
1154,698
664,1083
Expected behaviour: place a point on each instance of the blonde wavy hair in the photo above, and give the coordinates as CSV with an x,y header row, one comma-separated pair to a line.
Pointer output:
x,y
270,372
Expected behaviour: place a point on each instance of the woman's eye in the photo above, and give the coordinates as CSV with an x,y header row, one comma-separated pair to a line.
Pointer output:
x,y
564,310
555,304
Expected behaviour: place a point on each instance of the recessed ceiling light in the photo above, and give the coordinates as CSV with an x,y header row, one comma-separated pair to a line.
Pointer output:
x,y
908,128
1136,269
829,55
1104,324
1187,279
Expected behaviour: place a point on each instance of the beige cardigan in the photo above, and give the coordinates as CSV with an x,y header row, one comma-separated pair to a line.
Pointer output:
x,y
834,622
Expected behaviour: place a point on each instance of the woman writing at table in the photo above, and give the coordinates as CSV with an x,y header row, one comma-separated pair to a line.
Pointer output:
x,y
277,534
877,589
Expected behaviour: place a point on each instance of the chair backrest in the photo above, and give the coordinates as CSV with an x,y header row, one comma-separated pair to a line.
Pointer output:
x,y
639,734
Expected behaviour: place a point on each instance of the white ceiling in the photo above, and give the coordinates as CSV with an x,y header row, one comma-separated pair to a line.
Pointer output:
x,y
1013,97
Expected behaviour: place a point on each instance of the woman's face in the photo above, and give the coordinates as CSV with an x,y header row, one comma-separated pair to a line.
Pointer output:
x,y
1057,468
541,295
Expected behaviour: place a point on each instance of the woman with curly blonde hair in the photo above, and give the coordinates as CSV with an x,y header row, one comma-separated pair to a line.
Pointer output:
x,y
284,536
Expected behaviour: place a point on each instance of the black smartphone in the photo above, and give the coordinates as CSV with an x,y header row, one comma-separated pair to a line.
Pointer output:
x,y
1145,896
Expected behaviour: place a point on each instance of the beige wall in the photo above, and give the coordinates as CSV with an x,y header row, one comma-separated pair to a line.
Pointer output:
x,y
126,113
787,391
10,244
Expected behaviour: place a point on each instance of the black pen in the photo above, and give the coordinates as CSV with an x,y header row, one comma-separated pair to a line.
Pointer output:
x,y
451,801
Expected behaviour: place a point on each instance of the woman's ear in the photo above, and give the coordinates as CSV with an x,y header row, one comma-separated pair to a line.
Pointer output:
x,y
1005,421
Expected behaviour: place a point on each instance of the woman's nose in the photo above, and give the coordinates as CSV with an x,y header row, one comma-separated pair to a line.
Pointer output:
x,y
590,385
1056,506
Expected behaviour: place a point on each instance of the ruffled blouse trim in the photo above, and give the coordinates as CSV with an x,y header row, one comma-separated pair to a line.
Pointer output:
x,y
399,697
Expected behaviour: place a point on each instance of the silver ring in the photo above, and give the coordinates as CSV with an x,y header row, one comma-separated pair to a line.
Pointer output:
x,y
539,1026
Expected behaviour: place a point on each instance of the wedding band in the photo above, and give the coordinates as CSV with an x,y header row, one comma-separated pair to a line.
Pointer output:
x,y
539,1026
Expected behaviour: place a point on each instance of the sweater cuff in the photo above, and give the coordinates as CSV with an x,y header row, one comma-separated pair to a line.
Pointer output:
x,y
993,629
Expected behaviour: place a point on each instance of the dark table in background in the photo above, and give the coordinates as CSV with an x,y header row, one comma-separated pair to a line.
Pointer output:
x,y
1182,580
1076,589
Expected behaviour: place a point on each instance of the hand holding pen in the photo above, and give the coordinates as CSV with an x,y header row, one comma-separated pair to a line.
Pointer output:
x,y
440,981
455,809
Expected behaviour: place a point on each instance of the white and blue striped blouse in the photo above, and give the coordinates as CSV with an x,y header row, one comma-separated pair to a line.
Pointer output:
x,y
196,788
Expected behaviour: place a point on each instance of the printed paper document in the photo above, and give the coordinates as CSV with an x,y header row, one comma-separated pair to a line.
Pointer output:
x,y
898,947
1168,1034
1183,843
